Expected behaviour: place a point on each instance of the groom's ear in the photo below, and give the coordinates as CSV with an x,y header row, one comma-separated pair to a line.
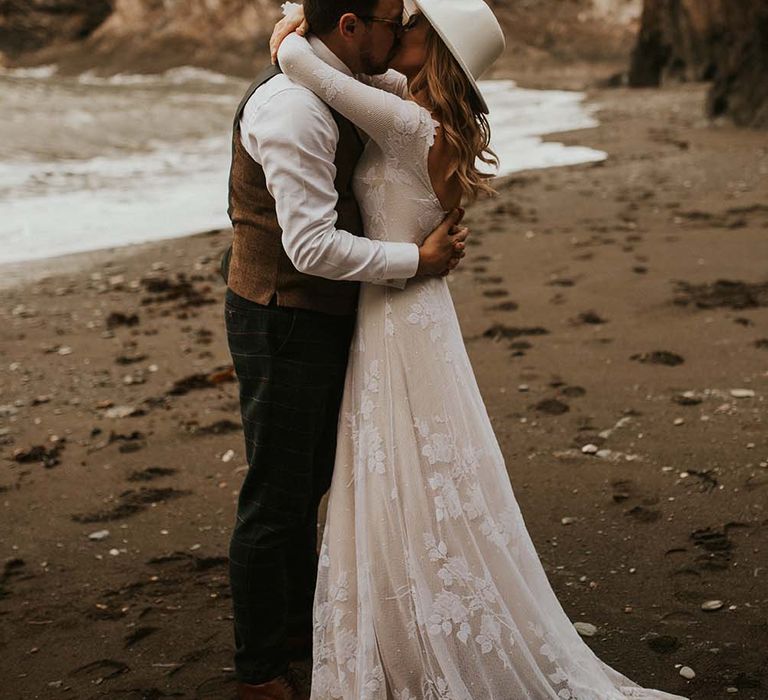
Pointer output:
x,y
348,24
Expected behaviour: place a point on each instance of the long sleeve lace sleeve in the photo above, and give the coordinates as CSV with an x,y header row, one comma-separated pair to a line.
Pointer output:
x,y
382,115
391,81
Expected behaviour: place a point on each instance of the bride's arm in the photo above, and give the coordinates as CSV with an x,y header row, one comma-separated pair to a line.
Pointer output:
x,y
294,21
391,81
375,111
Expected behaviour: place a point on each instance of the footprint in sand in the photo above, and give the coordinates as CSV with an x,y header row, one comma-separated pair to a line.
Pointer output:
x,y
561,282
552,407
659,357
138,635
722,294
130,503
625,490
504,306
489,280
588,318
101,670
13,568
716,546
643,514
500,331
573,392
151,473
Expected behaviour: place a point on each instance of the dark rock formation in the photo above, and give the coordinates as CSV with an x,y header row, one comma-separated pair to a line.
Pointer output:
x,y
28,25
111,36
725,41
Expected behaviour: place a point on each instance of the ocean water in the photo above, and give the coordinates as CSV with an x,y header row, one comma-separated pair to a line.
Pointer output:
x,y
88,163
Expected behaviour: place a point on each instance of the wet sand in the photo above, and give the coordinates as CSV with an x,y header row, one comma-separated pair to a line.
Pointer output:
x,y
617,318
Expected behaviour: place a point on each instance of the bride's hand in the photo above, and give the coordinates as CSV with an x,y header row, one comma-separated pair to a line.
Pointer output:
x,y
294,21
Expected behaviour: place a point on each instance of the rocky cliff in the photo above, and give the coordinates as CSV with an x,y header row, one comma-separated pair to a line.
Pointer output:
x,y
229,35
137,35
29,25
725,41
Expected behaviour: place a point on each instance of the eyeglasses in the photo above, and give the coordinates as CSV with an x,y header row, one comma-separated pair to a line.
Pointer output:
x,y
399,28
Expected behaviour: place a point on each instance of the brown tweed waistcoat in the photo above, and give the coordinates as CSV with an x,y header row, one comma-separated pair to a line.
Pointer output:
x,y
259,268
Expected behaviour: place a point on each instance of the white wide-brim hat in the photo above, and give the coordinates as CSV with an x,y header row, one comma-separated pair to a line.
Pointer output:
x,y
471,32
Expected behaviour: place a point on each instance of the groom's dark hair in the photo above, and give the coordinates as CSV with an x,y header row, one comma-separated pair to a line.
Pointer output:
x,y
324,15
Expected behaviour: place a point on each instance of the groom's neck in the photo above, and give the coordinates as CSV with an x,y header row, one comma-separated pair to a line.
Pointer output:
x,y
341,50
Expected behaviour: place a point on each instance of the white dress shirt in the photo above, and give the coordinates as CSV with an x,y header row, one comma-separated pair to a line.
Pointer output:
x,y
291,133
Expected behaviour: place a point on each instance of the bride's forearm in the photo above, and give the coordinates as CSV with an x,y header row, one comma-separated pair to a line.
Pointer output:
x,y
377,112
293,21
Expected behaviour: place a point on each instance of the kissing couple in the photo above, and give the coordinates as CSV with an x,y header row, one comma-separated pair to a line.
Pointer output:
x,y
351,160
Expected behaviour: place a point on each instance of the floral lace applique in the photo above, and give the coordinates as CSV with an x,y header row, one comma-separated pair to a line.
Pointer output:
x,y
369,442
331,83
373,684
404,695
438,690
471,599
389,325
558,677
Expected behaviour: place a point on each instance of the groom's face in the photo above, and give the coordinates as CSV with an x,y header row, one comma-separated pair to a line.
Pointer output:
x,y
380,40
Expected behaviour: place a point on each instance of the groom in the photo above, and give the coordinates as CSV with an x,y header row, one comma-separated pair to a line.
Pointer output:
x,y
292,274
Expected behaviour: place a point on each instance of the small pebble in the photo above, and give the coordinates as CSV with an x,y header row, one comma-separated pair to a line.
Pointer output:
x,y
99,535
585,629
590,449
712,605
120,412
742,393
687,672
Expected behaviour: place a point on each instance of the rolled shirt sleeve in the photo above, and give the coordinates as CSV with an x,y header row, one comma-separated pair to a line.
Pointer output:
x,y
293,135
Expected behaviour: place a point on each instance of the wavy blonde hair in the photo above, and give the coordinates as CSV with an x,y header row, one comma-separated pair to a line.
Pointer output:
x,y
456,106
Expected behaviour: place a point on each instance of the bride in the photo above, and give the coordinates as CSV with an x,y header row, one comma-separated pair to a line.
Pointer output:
x,y
429,586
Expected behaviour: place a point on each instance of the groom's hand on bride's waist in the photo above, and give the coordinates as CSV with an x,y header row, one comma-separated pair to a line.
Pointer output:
x,y
444,248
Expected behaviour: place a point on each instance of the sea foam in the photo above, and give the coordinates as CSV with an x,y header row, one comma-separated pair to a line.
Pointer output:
x,y
165,174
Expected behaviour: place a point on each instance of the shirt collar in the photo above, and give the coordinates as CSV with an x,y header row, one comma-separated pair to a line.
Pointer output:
x,y
328,56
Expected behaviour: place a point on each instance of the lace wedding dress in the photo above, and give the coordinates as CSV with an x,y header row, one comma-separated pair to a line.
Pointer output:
x,y
429,586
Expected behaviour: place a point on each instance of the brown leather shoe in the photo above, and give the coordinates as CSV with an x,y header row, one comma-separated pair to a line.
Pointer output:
x,y
277,689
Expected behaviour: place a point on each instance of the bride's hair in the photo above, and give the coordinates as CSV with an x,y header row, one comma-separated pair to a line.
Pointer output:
x,y
458,109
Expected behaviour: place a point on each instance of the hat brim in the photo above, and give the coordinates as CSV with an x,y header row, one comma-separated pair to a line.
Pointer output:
x,y
464,67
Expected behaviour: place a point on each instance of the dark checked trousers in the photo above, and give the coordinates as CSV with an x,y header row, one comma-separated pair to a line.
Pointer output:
x,y
290,364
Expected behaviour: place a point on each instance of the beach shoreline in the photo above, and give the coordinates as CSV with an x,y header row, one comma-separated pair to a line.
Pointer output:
x,y
616,315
